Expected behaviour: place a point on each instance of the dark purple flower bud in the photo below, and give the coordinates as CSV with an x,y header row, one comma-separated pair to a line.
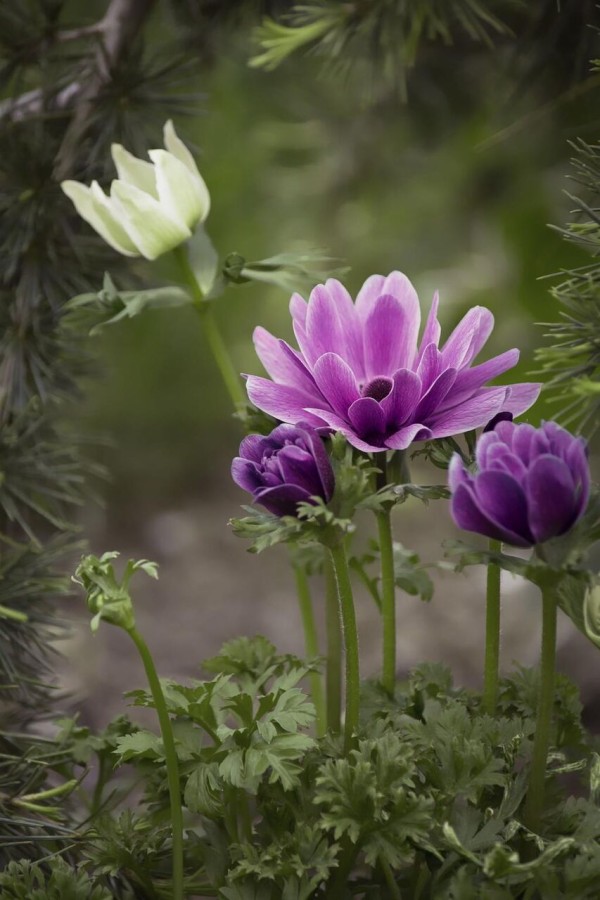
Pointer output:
x,y
287,467
500,417
532,484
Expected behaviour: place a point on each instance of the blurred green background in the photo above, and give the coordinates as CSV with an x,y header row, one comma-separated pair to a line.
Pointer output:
x,y
455,187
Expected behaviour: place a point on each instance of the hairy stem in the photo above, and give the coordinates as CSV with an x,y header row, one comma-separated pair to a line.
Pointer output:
x,y
492,634
350,635
213,336
388,600
333,665
311,644
534,804
170,760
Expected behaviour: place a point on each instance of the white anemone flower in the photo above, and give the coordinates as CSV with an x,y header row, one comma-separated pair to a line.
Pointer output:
x,y
153,206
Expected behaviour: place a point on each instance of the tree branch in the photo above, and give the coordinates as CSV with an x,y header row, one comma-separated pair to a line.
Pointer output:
x,y
114,33
118,28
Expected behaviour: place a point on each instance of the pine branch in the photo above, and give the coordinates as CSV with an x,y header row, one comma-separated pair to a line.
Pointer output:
x,y
573,359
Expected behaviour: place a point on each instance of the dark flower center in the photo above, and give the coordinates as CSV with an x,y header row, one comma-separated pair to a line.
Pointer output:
x,y
377,388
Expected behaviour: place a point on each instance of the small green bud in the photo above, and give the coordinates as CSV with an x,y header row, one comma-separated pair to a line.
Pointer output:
x,y
107,597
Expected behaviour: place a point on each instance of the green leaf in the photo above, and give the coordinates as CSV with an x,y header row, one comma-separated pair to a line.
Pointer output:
x,y
109,306
204,260
204,791
141,745
409,575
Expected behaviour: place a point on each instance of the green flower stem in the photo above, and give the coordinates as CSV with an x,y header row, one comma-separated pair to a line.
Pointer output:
x,y
170,760
337,889
388,600
389,879
492,634
311,643
204,308
350,635
333,665
534,803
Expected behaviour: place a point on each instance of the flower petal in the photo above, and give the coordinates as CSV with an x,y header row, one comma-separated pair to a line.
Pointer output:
x,y
457,473
183,195
436,394
298,467
175,145
400,403
322,463
473,413
284,367
252,447
368,419
523,439
130,169
337,383
298,309
388,337
469,380
283,499
152,230
430,366
402,438
330,325
467,515
336,423
521,397
577,461
280,400
502,500
468,337
246,474
551,496
432,331
98,213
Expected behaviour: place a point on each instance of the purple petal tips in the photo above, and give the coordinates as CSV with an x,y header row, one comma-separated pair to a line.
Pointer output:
x,y
532,484
361,369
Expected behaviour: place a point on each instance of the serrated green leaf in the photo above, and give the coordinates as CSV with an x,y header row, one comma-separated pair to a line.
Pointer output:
x,y
141,745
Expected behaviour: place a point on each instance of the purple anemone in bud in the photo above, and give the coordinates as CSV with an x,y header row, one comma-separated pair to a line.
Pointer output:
x,y
287,467
532,484
361,369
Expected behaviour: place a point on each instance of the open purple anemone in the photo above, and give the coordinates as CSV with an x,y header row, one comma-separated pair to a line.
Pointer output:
x,y
532,484
287,467
362,371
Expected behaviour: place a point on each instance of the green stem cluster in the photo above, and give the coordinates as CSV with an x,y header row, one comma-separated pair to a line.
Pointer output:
x,y
171,762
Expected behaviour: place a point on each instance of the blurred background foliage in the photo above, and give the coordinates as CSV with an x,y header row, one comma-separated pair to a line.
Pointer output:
x,y
454,184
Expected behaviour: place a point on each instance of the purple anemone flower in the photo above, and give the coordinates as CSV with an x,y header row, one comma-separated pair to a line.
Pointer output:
x,y
287,467
362,371
532,484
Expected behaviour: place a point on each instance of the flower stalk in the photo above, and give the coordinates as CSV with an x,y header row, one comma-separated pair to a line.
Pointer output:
x,y
534,804
311,644
388,600
211,330
350,636
333,664
492,634
171,762
388,583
